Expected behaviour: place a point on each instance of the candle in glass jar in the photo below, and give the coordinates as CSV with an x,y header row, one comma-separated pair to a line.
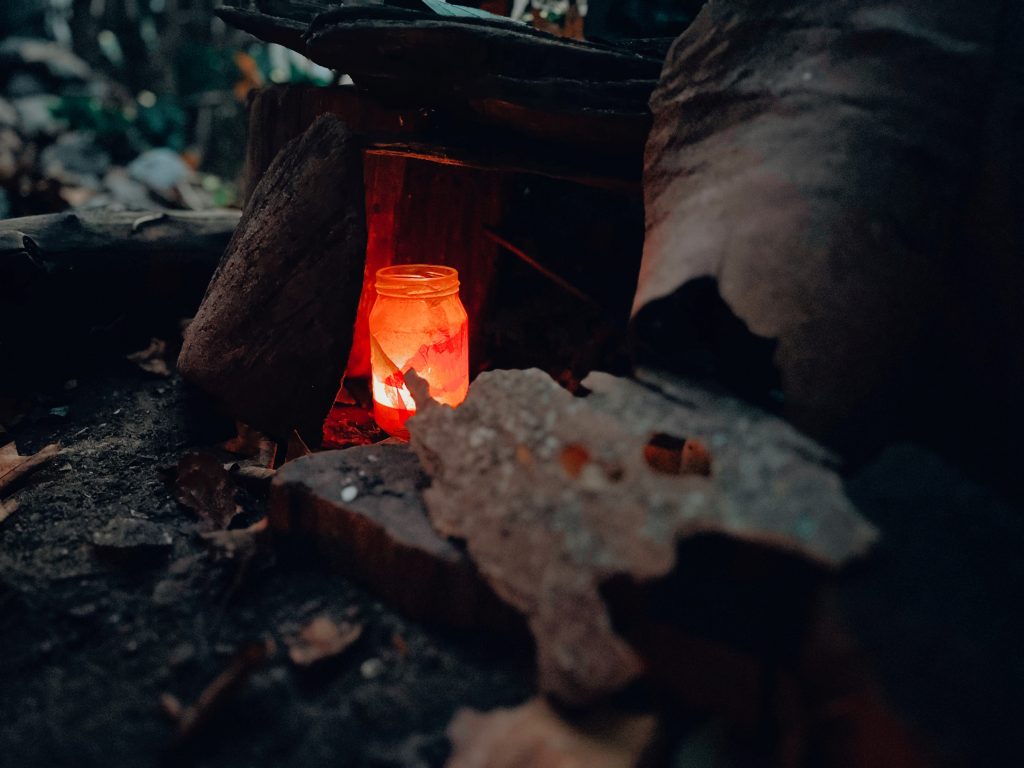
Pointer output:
x,y
417,323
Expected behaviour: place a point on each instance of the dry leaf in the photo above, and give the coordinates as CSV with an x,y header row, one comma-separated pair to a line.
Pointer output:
x,y
245,546
7,508
14,467
534,734
252,444
321,640
205,487
241,543
151,358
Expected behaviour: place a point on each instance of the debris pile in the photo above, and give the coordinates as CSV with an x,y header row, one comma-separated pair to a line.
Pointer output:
x,y
72,138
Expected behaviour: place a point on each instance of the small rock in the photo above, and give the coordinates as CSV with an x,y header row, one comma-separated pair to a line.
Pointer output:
x,y
76,159
8,115
322,640
161,170
83,611
181,654
132,541
44,58
371,668
35,114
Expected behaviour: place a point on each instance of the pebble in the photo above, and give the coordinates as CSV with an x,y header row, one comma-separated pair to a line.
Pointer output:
x,y
371,668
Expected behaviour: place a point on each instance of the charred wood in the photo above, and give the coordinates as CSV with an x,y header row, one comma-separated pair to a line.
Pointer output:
x,y
272,335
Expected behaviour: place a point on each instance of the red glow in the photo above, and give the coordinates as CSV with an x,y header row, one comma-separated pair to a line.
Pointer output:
x,y
418,324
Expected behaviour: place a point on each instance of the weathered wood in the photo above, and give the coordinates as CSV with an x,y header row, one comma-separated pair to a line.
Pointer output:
x,y
78,239
817,161
88,280
404,49
596,147
272,335
361,510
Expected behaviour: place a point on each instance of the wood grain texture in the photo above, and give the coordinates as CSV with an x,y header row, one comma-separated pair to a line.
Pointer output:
x,y
90,282
272,335
817,161
360,509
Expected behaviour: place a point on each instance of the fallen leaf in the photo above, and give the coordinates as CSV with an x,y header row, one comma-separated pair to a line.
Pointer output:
x,y
247,547
535,735
7,508
240,543
252,444
14,467
321,640
253,479
205,487
151,359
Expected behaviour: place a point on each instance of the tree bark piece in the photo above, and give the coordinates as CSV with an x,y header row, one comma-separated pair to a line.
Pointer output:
x,y
90,280
360,508
272,335
596,147
554,496
420,56
814,160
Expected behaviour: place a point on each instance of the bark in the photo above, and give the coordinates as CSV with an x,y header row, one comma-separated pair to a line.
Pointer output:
x,y
556,496
816,161
272,335
547,105
82,279
360,509
592,147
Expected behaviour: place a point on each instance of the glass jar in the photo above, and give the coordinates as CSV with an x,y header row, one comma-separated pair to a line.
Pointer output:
x,y
417,323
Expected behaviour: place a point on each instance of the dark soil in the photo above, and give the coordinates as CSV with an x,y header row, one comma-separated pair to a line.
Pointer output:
x,y
88,646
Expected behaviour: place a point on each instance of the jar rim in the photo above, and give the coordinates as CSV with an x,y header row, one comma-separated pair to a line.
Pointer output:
x,y
417,281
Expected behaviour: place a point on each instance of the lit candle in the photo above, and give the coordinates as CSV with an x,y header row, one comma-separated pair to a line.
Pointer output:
x,y
417,323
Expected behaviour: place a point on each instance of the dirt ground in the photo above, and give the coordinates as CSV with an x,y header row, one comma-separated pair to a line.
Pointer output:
x,y
88,646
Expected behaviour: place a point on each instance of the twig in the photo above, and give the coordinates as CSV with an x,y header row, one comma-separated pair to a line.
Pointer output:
x,y
525,257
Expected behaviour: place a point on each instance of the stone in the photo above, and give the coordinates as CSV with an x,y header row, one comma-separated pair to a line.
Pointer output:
x,y
130,540
159,170
554,496
322,640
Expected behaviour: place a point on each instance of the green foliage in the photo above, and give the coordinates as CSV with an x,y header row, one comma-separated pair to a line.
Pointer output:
x,y
164,124
201,67
126,130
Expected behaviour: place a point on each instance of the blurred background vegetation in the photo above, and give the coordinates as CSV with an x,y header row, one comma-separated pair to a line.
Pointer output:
x,y
141,103
89,88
